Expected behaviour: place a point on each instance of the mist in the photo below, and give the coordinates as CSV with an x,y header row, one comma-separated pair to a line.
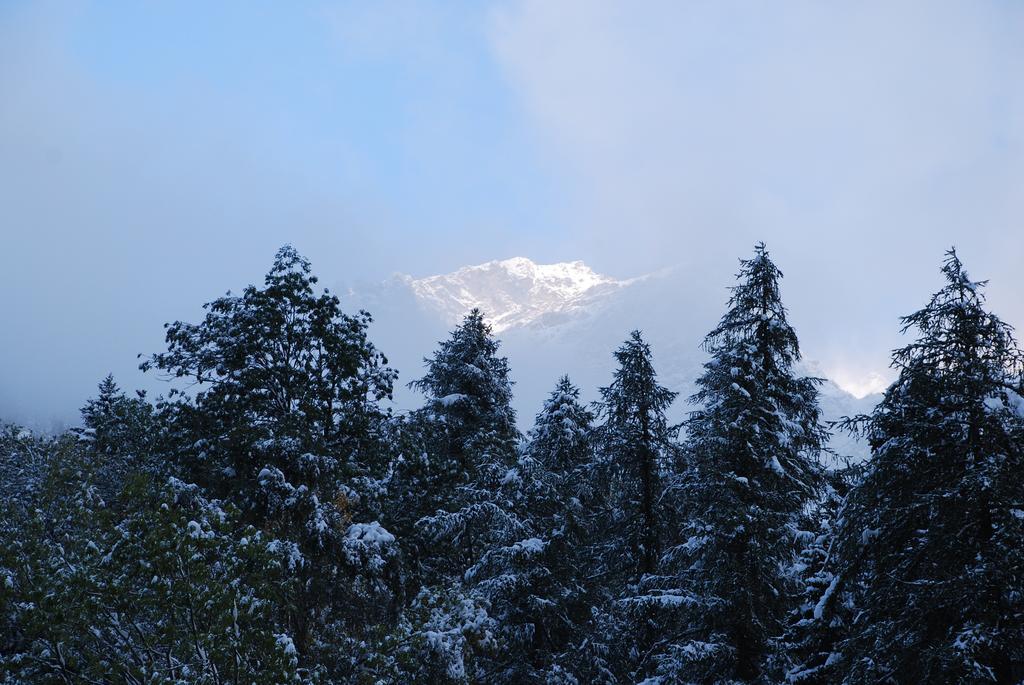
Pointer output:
x,y
150,162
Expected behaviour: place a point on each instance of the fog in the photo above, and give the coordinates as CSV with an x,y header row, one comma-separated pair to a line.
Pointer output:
x,y
154,156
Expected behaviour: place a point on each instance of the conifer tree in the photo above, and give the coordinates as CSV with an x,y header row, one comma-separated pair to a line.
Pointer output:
x,y
750,466
469,398
285,424
469,433
558,475
637,441
24,458
807,651
637,447
167,588
121,433
474,544
115,422
933,537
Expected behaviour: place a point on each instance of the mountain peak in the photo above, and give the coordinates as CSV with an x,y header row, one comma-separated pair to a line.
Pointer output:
x,y
514,292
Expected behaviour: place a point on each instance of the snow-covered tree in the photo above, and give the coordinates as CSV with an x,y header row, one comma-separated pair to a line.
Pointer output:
x,y
469,437
121,432
24,458
169,588
807,652
441,638
468,420
932,539
556,479
284,422
467,383
473,541
637,444
232,532
750,464
276,368
114,422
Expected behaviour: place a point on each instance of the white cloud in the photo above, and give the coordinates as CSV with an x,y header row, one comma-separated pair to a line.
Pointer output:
x,y
859,140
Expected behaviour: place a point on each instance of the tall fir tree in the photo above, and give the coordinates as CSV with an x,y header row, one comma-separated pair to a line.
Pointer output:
x,y
470,395
475,545
751,463
559,480
933,537
637,443
637,446
467,433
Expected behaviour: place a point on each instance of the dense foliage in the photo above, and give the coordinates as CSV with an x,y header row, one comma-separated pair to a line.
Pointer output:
x,y
270,520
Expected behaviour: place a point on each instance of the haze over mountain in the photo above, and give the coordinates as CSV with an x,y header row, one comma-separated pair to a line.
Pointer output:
x,y
565,318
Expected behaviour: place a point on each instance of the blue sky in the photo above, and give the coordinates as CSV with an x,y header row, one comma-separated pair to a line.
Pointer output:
x,y
153,155
399,117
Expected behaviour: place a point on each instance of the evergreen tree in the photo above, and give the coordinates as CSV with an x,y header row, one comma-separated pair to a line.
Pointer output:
x,y
121,433
932,539
637,441
637,448
751,465
475,543
115,422
285,424
231,534
557,481
24,458
807,653
172,589
468,435
441,637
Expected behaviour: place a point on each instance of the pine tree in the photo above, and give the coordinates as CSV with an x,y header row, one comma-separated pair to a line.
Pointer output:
x,y
468,434
115,422
807,653
285,424
557,479
121,433
750,466
474,543
636,443
933,537
469,399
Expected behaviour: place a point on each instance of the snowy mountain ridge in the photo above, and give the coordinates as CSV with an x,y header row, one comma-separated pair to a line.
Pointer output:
x,y
514,293
566,318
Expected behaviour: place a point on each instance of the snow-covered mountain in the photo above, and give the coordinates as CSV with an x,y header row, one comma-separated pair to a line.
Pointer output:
x,y
515,293
564,318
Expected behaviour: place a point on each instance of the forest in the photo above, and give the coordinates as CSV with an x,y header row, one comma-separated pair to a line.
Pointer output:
x,y
271,518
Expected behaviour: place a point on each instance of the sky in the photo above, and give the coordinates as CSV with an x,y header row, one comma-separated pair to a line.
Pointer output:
x,y
155,155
